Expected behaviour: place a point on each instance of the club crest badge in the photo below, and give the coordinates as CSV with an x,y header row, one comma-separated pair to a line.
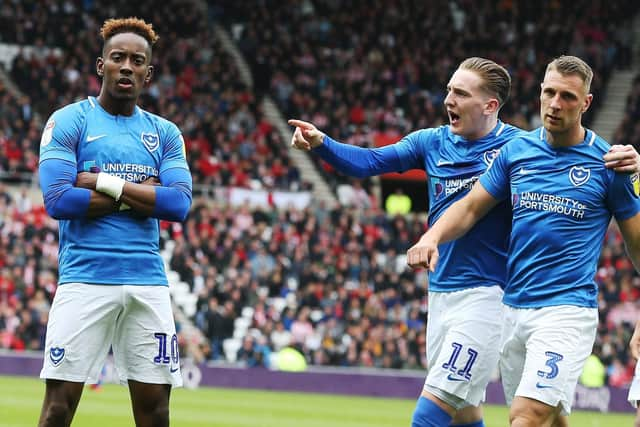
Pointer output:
x,y
579,175
635,182
56,354
490,156
150,140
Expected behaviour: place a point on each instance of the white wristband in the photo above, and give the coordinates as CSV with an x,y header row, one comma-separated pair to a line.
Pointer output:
x,y
110,185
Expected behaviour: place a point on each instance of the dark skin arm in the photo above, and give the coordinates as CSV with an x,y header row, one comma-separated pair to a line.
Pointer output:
x,y
140,197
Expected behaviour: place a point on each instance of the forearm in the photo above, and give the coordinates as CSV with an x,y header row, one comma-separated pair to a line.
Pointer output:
x,y
61,199
357,161
168,203
633,249
463,215
168,198
455,222
140,198
101,205
631,235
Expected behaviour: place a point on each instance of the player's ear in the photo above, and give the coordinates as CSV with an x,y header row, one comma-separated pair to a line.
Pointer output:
x,y
147,78
492,105
100,66
587,102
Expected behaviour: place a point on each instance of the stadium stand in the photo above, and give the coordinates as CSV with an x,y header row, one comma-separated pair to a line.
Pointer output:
x,y
628,132
374,72
196,85
330,281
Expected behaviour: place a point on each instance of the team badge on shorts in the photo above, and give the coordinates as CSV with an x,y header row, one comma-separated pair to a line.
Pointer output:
x,y
579,175
56,354
150,140
635,181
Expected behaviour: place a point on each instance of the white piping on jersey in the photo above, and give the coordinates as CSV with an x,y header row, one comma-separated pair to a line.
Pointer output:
x,y
591,140
91,102
500,130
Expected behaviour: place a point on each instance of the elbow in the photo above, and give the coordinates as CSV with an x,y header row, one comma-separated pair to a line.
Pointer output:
x,y
182,212
54,208
361,174
177,210
183,206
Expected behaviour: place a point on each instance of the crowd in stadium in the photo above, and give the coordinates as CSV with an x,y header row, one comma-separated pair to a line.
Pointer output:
x,y
628,131
330,282
196,84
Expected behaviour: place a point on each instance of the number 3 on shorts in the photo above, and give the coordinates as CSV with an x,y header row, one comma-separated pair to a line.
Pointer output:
x,y
552,363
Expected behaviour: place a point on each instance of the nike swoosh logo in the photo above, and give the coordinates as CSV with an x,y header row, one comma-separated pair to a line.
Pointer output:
x,y
538,385
451,377
93,138
173,370
524,171
444,163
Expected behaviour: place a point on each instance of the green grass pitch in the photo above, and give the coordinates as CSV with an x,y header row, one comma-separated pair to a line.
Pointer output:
x,y
20,400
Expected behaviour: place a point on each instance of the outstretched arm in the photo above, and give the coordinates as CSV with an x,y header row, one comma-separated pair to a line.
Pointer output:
x,y
349,159
454,223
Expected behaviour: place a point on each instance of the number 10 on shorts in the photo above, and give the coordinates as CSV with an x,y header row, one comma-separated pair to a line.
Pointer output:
x,y
162,356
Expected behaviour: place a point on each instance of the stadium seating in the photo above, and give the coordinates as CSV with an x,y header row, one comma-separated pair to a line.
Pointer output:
x,y
379,68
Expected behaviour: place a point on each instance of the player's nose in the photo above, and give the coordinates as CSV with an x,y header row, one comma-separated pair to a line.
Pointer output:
x,y
125,67
555,102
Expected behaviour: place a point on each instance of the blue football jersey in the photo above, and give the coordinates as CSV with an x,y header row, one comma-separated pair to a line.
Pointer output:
x,y
453,164
562,201
121,248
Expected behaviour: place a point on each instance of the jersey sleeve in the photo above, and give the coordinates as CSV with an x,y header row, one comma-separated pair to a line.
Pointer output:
x,y
496,178
173,198
174,152
357,161
412,149
363,162
61,135
623,198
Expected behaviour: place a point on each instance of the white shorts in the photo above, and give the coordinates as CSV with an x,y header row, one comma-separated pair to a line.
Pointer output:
x,y
544,351
634,390
463,342
137,321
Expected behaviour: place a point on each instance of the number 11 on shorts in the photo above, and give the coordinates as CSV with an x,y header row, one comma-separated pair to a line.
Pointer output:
x,y
451,363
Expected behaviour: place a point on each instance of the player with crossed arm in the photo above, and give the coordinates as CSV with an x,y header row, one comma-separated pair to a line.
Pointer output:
x,y
563,199
109,171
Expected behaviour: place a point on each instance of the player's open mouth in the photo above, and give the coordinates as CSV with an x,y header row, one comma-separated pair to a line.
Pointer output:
x,y
125,83
453,118
553,119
